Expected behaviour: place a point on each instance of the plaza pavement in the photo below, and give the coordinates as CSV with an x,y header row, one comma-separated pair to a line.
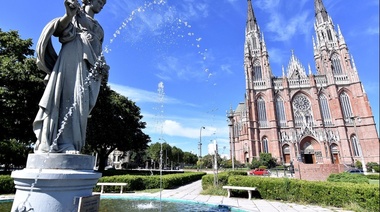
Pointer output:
x,y
192,192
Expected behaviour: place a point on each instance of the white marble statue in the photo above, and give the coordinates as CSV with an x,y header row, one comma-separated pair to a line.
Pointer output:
x,y
73,79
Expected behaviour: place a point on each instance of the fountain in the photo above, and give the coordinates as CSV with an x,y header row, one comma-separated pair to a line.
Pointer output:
x,y
57,177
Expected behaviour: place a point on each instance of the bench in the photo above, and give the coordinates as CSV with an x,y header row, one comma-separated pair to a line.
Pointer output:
x,y
249,189
111,184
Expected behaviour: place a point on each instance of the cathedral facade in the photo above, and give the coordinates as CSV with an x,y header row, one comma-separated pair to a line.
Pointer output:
x,y
322,118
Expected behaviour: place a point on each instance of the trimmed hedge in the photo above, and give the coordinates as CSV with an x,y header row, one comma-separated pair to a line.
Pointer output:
x,y
348,178
136,183
208,180
6,185
138,172
373,176
312,192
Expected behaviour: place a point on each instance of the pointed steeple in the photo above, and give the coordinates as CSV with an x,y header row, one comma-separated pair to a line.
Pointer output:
x,y
320,12
251,20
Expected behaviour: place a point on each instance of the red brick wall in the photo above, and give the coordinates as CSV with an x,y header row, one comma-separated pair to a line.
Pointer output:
x,y
316,172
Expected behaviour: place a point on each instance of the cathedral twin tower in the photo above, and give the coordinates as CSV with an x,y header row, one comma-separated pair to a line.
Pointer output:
x,y
322,118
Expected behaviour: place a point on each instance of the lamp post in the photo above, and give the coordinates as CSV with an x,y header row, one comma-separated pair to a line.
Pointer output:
x,y
354,118
200,146
200,142
230,116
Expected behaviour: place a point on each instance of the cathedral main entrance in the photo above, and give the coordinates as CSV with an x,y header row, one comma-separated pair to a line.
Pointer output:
x,y
310,153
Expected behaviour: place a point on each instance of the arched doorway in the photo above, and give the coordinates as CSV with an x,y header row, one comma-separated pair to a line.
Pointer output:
x,y
286,153
246,156
335,153
310,151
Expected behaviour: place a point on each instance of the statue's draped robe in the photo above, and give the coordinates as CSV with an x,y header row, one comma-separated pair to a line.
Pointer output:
x,y
68,85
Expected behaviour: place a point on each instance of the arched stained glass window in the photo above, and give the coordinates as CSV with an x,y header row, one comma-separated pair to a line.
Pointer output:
x,y
325,110
265,145
258,76
345,106
355,146
261,112
280,112
336,65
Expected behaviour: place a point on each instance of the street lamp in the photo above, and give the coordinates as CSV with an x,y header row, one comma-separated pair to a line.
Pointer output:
x,y
230,116
200,141
354,118
200,146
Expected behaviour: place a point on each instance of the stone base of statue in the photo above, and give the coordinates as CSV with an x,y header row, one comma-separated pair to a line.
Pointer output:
x,y
54,182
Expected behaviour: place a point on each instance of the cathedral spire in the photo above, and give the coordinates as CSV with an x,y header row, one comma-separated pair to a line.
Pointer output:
x,y
251,20
320,12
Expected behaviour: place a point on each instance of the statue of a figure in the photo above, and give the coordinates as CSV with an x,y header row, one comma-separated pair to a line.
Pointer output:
x,y
73,77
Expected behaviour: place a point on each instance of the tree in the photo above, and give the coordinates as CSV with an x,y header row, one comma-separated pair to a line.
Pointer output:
x,y
190,158
177,155
154,153
13,154
267,160
115,122
21,85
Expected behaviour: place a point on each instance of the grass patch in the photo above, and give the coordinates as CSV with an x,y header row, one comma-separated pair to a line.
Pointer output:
x,y
374,182
216,191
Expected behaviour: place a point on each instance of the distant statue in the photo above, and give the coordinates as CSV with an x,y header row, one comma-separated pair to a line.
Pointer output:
x,y
73,77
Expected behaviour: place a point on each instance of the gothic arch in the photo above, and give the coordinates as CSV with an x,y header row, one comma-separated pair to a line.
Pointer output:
x,y
286,153
335,152
346,105
260,94
301,93
324,108
280,111
348,91
310,150
333,53
256,62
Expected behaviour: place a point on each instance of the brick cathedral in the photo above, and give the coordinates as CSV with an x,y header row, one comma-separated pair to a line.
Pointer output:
x,y
322,118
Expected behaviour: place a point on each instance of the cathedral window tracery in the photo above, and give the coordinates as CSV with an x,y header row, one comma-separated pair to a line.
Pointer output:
x,y
336,65
302,111
354,143
258,76
280,112
261,111
265,145
346,107
325,110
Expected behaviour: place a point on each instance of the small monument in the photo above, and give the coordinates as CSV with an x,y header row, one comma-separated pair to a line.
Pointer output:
x,y
57,177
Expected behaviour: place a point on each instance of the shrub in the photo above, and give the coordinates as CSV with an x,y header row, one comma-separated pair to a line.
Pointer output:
x,y
348,178
136,183
208,180
6,185
373,176
376,168
312,192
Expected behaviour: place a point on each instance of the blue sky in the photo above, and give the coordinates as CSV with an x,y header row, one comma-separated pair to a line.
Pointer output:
x,y
195,48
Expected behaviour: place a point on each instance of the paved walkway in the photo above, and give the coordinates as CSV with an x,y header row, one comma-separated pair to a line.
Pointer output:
x,y
192,192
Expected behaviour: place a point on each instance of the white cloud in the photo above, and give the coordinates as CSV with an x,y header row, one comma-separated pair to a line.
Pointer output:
x,y
266,4
142,96
284,29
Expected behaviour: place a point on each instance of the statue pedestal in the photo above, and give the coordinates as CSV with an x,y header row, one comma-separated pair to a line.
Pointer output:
x,y
54,182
